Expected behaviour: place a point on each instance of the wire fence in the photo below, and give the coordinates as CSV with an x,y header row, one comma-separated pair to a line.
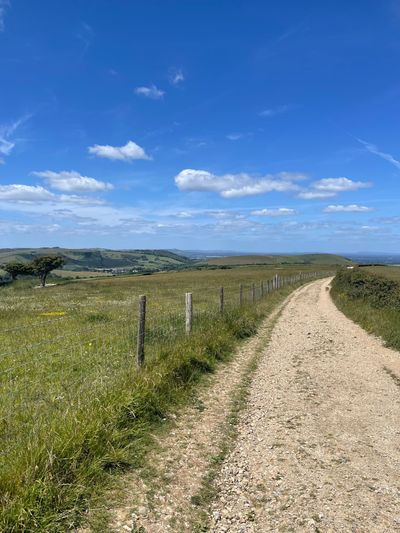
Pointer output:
x,y
50,368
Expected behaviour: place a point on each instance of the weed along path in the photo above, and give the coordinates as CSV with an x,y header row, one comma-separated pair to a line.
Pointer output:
x,y
318,446
300,432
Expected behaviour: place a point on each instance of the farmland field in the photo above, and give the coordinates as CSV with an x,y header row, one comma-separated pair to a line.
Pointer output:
x,y
390,272
74,406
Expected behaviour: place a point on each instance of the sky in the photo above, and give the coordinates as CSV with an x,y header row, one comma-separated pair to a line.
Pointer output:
x,y
257,126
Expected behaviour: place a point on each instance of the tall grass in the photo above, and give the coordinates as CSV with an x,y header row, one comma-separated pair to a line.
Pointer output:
x,y
74,406
372,300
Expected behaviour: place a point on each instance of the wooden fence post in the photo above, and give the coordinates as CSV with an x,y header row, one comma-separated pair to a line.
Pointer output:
x,y
141,330
262,289
189,312
253,292
221,300
240,294
276,281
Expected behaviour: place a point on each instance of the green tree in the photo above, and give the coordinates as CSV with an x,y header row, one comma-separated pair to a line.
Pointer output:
x,y
17,268
42,266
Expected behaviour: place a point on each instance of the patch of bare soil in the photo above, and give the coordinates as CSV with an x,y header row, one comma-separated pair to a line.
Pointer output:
x,y
318,448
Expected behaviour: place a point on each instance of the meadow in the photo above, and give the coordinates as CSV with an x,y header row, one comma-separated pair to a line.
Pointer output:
x,y
371,297
74,407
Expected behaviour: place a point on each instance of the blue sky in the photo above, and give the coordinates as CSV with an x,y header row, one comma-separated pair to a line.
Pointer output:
x,y
248,125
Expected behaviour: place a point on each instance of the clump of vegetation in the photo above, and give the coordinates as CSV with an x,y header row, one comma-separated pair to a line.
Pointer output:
x,y
17,268
378,291
40,266
370,299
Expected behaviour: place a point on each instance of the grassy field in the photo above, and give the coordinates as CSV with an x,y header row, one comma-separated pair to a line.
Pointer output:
x,y
75,409
390,271
78,274
371,297
305,259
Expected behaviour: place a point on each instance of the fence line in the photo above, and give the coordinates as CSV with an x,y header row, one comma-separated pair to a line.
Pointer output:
x,y
276,283
150,327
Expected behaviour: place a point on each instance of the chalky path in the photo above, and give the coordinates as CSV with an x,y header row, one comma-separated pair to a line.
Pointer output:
x,y
319,441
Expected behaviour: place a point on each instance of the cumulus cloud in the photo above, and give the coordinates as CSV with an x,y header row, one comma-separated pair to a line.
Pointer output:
x,y
339,185
35,194
71,181
330,187
234,185
281,211
176,76
129,152
352,208
150,92
25,193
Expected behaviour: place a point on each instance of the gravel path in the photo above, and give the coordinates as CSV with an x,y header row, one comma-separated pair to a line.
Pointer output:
x,y
318,447
160,502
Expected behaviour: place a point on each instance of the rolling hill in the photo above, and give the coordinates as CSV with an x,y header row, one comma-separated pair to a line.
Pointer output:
x,y
304,259
97,258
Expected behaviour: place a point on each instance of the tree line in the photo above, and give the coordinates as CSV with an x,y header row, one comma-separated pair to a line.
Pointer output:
x,y
40,266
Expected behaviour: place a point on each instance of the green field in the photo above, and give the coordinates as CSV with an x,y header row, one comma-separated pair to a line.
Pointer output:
x,y
389,271
371,297
305,259
75,409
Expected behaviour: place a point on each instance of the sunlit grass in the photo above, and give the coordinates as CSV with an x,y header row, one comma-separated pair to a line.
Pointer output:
x,y
74,405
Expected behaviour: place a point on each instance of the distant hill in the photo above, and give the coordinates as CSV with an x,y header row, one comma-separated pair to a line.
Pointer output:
x,y
304,259
97,258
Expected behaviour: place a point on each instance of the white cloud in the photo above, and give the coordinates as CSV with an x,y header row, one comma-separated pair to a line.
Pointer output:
x,y
150,92
25,193
233,185
35,195
339,185
4,4
375,150
176,76
129,152
330,187
7,142
315,195
352,208
72,181
281,211
271,112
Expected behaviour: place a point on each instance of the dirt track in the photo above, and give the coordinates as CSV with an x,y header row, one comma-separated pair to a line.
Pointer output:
x,y
318,447
319,442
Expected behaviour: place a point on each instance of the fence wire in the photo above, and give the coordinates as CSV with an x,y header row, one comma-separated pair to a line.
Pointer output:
x,y
52,367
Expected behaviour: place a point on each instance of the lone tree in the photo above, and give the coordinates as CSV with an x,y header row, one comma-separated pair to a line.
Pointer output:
x,y
17,268
42,266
